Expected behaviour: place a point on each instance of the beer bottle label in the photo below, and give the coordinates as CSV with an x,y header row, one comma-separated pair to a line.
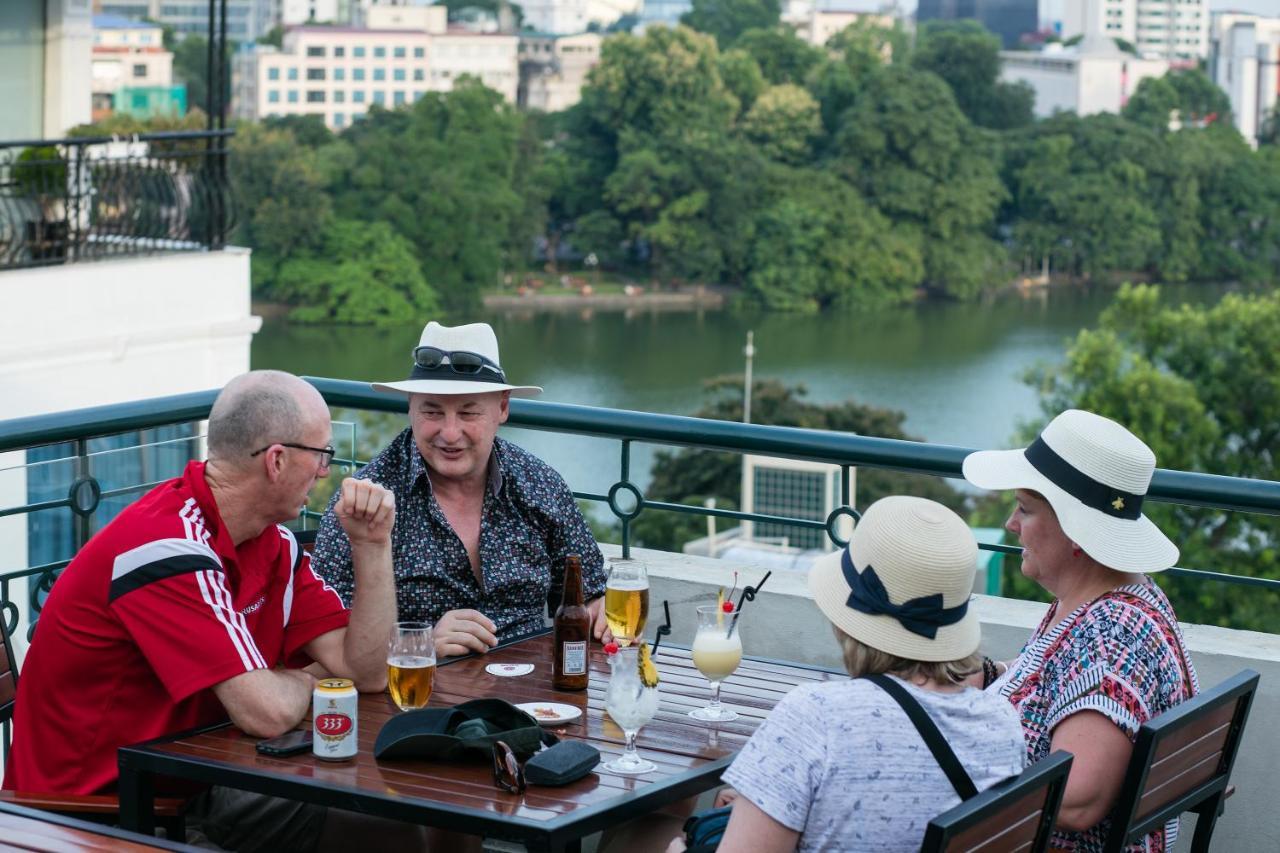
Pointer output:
x,y
575,658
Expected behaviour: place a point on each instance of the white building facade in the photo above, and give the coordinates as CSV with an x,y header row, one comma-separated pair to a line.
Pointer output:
x,y
338,73
127,53
553,69
563,17
1244,60
1167,29
1079,81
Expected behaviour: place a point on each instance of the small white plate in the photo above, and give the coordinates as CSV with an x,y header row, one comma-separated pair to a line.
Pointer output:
x,y
551,713
509,670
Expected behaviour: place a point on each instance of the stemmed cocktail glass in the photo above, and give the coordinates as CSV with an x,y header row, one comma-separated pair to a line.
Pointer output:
x,y
631,704
717,651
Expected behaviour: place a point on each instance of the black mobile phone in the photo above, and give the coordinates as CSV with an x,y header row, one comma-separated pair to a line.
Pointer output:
x,y
289,743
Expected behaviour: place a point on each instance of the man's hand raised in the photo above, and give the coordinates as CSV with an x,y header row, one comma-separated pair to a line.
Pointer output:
x,y
366,511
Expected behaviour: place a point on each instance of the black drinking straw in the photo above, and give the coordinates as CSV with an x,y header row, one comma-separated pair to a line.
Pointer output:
x,y
748,594
663,630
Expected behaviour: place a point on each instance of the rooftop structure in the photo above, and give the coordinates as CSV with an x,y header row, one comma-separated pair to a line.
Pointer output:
x,y
553,69
575,16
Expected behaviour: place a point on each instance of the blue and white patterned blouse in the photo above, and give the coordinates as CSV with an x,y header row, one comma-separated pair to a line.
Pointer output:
x,y
528,525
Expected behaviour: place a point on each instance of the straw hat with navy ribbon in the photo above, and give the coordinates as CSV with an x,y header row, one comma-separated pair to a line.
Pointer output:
x,y
457,360
1095,474
903,583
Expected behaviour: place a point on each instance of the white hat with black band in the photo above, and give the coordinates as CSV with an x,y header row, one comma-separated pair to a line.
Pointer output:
x,y
1095,474
457,360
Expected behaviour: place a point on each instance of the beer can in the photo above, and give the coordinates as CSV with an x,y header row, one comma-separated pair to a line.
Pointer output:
x,y
333,719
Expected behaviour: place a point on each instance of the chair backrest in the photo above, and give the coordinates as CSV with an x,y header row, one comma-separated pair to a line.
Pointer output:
x,y
1011,817
1182,761
8,674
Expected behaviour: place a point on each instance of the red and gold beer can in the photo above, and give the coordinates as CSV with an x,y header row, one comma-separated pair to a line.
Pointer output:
x,y
333,719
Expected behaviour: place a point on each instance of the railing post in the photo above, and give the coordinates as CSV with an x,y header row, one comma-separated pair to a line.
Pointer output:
x,y
83,527
626,477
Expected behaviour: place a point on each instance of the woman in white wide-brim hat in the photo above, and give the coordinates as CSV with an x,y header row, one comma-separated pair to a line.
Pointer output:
x,y
838,765
1109,654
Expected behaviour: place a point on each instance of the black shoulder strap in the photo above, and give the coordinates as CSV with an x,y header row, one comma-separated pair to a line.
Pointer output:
x,y
933,738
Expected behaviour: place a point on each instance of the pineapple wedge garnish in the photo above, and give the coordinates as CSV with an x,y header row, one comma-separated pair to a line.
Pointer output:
x,y
648,669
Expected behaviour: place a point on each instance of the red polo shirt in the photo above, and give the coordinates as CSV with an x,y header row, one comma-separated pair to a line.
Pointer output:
x,y
155,610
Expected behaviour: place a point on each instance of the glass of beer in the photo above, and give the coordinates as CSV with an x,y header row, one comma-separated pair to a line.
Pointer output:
x,y
626,600
717,651
411,664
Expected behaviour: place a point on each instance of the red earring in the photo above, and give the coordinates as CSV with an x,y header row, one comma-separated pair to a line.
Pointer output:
x,y
1075,551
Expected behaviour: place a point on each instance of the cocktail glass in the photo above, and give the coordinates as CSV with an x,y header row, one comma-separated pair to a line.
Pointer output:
x,y
717,651
631,705
626,600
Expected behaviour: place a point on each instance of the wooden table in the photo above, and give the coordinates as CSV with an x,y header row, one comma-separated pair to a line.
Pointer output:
x,y
22,828
690,755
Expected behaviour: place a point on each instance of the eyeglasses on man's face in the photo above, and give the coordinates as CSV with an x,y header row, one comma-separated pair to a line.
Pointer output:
x,y
326,453
459,361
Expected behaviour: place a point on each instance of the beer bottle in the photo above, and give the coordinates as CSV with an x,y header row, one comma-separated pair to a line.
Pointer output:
x,y
572,631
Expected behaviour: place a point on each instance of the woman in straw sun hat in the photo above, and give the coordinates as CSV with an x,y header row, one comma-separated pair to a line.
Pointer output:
x,y
839,765
1109,654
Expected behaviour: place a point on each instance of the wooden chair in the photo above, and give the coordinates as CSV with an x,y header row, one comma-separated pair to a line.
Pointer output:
x,y
1182,763
99,808
1017,815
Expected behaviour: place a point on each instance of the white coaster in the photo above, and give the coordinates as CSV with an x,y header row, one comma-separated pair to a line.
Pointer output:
x,y
509,670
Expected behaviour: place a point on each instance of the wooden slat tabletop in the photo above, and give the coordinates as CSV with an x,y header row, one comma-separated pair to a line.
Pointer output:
x,y
678,744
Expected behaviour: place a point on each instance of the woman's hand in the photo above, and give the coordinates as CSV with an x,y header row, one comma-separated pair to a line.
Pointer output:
x,y
677,845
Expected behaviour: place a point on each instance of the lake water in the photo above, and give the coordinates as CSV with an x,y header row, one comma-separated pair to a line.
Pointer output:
x,y
954,369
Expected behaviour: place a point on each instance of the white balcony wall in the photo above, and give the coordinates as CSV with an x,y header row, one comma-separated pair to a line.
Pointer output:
x,y
91,334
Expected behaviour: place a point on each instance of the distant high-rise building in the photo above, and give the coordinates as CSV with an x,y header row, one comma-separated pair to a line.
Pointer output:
x,y
1169,29
1009,19
247,20
1244,59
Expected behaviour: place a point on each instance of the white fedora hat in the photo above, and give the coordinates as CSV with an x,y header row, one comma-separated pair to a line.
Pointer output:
x,y
1095,474
457,360
903,583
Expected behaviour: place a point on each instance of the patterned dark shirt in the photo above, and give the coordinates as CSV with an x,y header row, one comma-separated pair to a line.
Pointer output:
x,y
528,524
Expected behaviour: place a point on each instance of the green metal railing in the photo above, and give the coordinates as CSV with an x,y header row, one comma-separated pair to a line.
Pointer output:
x,y
624,498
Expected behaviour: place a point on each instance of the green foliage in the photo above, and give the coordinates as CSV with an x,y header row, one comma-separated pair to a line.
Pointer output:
x,y
690,476
281,188
726,20
191,67
1202,387
1185,96
780,54
40,172
967,57
441,174
363,273
910,151
784,122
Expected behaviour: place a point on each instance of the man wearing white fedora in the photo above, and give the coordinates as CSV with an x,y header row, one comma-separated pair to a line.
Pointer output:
x,y
482,526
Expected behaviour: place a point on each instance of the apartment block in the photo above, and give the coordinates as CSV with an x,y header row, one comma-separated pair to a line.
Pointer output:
x,y
1175,30
132,71
338,73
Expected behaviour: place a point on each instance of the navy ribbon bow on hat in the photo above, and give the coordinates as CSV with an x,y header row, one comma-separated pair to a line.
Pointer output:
x,y
923,616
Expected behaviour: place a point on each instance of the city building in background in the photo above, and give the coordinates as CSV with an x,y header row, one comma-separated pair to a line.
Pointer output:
x,y
246,19
816,21
1176,30
1094,76
553,69
132,71
1009,19
563,17
295,12
664,13
1244,60
337,73
44,67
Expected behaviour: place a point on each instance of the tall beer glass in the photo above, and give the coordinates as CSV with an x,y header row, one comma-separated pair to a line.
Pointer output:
x,y
626,600
411,664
